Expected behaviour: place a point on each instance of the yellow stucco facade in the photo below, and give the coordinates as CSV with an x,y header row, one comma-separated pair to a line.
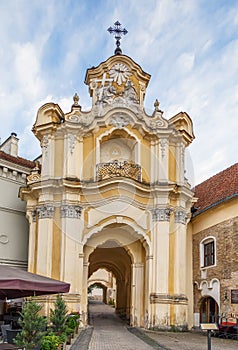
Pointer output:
x,y
110,193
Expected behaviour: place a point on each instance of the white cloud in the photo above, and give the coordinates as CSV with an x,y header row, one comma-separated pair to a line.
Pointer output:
x,y
186,61
28,70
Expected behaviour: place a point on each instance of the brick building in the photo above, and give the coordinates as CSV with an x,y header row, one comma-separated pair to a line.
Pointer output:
x,y
215,247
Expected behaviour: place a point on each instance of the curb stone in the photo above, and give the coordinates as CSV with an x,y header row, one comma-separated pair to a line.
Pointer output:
x,y
83,340
140,334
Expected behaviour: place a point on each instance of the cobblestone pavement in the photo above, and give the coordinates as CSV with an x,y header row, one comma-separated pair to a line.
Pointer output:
x,y
191,341
109,332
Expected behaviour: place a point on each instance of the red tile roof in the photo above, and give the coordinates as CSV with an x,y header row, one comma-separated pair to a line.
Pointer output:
x,y
218,188
17,160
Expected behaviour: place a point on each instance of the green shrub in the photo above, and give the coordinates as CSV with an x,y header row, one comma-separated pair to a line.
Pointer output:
x,y
72,321
58,316
69,331
51,342
33,326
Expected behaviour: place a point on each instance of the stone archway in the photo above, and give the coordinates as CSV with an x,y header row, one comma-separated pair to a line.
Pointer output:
x,y
120,250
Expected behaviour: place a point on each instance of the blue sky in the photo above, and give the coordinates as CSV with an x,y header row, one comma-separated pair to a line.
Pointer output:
x,y
190,48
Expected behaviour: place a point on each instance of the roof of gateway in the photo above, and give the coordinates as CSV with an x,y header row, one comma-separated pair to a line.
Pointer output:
x,y
217,189
17,160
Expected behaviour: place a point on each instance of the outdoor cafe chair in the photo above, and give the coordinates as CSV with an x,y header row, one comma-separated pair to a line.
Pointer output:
x,y
4,328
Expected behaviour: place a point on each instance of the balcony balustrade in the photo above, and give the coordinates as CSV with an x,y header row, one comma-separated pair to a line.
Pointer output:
x,y
115,169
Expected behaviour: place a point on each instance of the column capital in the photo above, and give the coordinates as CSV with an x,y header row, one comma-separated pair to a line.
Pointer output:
x,y
161,214
71,211
180,217
33,215
45,211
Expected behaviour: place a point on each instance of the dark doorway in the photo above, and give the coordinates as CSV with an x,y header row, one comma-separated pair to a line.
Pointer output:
x,y
208,310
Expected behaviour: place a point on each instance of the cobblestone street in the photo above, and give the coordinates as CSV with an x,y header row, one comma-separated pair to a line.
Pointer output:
x,y
111,333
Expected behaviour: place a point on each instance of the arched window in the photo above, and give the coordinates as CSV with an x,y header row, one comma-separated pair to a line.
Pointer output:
x,y
208,252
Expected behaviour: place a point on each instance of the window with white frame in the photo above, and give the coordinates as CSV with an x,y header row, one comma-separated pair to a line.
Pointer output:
x,y
208,252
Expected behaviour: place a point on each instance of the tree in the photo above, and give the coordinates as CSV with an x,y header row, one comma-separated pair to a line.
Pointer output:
x,y
58,316
33,326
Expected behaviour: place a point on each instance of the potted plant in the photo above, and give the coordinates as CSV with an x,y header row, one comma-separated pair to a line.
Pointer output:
x,y
58,316
33,326
51,342
69,334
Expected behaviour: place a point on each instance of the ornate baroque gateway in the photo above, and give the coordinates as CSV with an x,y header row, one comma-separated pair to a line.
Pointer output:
x,y
109,192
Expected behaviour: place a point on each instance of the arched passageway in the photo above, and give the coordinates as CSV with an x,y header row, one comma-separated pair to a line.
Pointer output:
x,y
120,250
115,259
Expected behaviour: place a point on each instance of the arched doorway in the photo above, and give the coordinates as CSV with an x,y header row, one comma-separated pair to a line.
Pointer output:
x,y
121,250
208,310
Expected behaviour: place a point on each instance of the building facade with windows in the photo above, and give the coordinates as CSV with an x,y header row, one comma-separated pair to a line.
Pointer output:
x,y
215,247
14,231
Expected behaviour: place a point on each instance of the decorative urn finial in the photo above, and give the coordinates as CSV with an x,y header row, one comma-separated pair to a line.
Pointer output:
x,y
156,105
76,99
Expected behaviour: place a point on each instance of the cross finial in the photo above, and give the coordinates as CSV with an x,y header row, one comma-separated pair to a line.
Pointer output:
x,y
118,34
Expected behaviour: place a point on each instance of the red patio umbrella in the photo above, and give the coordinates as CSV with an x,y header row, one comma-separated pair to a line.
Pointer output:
x,y
17,283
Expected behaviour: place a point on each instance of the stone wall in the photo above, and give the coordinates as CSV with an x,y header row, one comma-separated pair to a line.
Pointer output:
x,y
225,269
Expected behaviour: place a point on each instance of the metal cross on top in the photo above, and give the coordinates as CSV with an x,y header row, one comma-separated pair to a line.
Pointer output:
x,y
118,31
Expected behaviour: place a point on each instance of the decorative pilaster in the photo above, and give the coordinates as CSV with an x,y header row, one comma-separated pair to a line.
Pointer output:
x,y
48,149
72,142
45,226
180,167
33,215
179,313
163,169
137,288
73,156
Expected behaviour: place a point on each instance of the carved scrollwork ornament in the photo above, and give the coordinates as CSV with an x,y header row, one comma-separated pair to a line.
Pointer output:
x,y
4,239
45,143
34,175
119,121
72,142
74,118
